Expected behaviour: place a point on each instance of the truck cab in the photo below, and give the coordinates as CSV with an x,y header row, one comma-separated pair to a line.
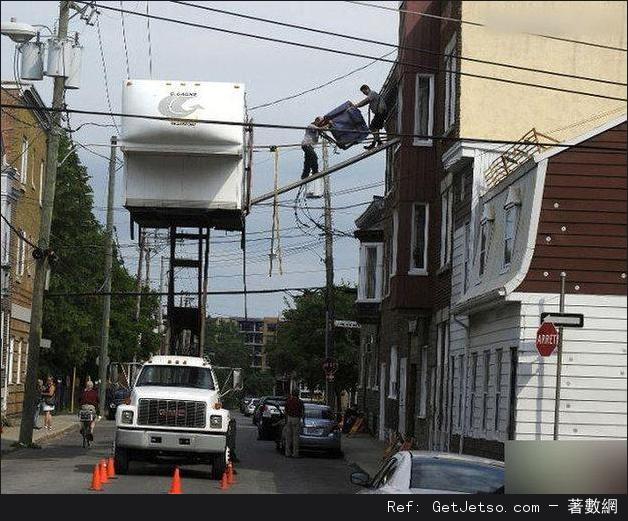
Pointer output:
x,y
174,412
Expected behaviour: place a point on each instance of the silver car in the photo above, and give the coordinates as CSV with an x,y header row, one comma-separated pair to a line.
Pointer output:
x,y
319,432
424,472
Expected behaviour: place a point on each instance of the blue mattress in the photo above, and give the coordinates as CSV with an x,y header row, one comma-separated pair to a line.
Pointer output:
x,y
348,126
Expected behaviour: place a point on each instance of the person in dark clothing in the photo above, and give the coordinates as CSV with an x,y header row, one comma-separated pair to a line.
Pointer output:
x,y
377,106
310,159
294,413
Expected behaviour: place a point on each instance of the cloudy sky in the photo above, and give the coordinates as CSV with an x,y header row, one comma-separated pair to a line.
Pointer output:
x,y
270,71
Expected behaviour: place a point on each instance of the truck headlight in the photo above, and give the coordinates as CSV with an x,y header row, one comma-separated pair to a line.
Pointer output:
x,y
126,417
215,422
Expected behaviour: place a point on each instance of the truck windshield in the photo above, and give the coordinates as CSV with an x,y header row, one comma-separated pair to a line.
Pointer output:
x,y
177,376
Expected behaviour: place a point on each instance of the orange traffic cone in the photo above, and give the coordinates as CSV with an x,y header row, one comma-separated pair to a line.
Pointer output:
x,y
231,479
111,469
96,485
224,482
175,488
103,472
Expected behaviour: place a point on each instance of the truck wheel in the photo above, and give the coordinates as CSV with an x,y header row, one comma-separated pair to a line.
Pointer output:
x,y
219,465
121,461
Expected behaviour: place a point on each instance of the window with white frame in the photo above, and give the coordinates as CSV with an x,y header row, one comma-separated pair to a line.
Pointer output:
x,y
445,227
420,224
395,239
485,385
370,287
486,227
10,355
511,216
18,363
6,237
450,66
473,388
21,254
399,109
392,376
466,255
41,183
24,161
498,386
423,108
423,384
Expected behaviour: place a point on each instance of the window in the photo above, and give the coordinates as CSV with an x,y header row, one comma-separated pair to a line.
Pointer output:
x,y
392,381
6,235
423,384
370,286
487,378
510,230
498,385
474,374
445,227
450,67
24,161
395,238
10,354
18,364
453,475
41,183
21,254
424,108
418,260
176,376
390,174
467,255
460,388
399,109
485,237
387,263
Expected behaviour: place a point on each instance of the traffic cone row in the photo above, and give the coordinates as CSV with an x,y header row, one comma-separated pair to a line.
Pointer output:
x,y
103,472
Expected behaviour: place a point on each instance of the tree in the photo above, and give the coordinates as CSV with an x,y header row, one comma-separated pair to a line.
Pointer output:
x,y
300,347
73,323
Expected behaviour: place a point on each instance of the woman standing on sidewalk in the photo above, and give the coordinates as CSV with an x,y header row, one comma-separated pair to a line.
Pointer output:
x,y
48,399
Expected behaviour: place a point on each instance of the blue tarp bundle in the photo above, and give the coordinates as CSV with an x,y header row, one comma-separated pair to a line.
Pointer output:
x,y
348,126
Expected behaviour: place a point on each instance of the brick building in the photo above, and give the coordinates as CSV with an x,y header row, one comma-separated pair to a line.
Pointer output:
x,y
24,135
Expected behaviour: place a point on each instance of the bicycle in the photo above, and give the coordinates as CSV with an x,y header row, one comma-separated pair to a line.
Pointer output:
x,y
86,418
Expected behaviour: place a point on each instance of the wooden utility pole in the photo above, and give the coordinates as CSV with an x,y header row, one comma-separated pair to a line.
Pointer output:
x,y
329,278
138,288
103,358
162,281
31,393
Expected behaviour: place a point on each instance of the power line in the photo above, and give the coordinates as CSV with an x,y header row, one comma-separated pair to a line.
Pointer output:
x,y
478,24
299,127
150,46
104,72
400,47
359,55
18,232
126,50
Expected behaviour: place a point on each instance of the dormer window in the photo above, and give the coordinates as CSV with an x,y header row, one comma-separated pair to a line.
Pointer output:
x,y
511,219
486,225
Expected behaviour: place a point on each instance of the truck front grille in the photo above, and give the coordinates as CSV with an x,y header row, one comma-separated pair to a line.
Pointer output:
x,y
171,413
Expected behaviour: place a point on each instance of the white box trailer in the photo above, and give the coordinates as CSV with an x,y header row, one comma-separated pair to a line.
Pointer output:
x,y
184,172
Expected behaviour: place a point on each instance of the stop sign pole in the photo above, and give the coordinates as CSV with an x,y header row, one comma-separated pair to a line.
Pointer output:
x,y
559,357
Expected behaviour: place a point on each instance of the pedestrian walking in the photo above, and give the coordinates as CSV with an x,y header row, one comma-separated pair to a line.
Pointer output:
x,y
377,105
48,395
294,414
310,159
38,404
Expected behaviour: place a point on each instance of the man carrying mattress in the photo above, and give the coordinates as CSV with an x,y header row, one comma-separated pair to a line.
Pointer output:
x,y
378,107
310,159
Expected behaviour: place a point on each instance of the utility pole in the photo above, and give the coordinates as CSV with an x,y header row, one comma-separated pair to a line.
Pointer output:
x,y
329,278
31,393
103,358
162,281
559,356
138,288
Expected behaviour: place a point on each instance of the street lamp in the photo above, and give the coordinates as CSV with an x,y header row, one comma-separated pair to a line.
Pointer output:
x,y
18,32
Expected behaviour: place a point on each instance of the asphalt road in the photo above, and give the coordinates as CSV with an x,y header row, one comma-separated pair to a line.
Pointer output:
x,y
63,466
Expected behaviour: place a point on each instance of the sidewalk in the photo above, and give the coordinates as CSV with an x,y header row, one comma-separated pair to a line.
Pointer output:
x,y
364,451
61,424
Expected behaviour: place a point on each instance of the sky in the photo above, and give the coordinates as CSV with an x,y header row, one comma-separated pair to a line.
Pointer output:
x,y
269,71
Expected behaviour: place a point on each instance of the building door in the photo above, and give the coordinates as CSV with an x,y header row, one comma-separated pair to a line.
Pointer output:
x,y
382,401
403,375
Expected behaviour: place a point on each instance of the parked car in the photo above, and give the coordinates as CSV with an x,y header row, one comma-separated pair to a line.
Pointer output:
x,y
320,431
257,414
251,406
425,472
270,411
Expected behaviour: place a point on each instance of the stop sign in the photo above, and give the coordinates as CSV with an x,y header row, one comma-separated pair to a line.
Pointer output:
x,y
546,339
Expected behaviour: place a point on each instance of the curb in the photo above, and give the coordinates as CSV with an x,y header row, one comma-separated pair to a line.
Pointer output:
x,y
44,438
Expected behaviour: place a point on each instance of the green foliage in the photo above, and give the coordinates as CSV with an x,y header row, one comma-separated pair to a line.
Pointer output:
x,y
73,323
300,347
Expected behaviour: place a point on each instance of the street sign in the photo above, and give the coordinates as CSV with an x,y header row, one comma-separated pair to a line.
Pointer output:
x,y
563,319
330,366
349,324
546,339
